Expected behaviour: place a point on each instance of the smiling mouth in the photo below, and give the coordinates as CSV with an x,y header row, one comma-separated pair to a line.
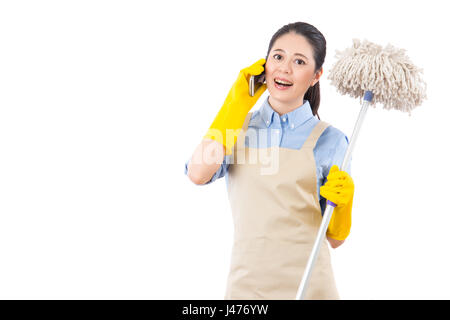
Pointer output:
x,y
282,83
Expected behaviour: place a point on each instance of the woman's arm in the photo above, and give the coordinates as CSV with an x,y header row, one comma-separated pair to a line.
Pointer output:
x,y
335,243
206,160
210,153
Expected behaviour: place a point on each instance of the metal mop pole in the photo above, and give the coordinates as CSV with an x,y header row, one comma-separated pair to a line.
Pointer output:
x,y
330,205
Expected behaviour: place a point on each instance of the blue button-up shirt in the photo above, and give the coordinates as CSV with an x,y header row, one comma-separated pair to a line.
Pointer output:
x,y
290,131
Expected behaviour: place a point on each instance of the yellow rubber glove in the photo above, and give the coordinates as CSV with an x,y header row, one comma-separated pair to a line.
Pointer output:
x,y
230,119
339,189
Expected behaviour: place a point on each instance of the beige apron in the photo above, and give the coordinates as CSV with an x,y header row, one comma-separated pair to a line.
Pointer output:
x,y
276,219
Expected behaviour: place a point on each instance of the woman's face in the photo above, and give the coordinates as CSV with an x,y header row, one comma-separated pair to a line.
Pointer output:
x,y
291,59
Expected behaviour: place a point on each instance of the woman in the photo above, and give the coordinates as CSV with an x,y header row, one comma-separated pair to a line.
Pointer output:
x,y
277,214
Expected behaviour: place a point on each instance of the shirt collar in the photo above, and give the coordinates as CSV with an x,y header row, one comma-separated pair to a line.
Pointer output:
x,y
296,117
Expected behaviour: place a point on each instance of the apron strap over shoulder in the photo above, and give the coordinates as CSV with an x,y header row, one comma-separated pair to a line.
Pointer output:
x,y
247,121
315,134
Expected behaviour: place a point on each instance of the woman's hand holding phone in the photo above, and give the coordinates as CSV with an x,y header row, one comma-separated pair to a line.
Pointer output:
x,y
228,122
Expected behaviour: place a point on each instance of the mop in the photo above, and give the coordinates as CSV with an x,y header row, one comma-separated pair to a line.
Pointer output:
x,y
374,75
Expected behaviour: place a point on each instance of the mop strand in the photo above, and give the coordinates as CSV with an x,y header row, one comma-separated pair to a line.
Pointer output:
x,y
393,79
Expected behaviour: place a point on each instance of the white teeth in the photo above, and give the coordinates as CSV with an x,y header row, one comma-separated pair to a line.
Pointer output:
x,y
282,82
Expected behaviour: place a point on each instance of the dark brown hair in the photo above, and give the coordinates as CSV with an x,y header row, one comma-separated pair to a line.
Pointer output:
x,y
316,39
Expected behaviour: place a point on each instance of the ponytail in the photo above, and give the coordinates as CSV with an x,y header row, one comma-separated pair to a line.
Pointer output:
x,y
313,96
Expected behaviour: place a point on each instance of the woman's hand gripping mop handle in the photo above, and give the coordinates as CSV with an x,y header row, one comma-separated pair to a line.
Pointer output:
x,y
330,205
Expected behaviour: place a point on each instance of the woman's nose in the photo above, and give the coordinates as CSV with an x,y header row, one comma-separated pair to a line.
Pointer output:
x,y
285,67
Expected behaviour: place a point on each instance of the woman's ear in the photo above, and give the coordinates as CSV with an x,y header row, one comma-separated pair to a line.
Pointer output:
x,y
317,76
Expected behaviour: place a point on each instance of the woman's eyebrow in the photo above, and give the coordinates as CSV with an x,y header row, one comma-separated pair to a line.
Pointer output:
x,y
298,54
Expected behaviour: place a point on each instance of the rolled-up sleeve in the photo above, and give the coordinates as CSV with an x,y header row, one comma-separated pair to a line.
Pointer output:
x,y
336,157
218,174
339,153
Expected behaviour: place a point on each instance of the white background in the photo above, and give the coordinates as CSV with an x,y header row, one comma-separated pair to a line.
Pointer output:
x,y
102,102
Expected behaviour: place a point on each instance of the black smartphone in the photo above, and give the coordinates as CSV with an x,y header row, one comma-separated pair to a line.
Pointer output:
x,y
256,82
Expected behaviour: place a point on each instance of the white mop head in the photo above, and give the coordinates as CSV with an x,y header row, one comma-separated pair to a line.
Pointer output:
x,y
388,73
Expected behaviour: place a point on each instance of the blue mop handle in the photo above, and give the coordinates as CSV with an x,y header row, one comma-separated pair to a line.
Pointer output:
x,y
368,96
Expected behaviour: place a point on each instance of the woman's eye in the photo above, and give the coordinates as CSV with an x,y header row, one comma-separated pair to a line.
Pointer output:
x,y
278,57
